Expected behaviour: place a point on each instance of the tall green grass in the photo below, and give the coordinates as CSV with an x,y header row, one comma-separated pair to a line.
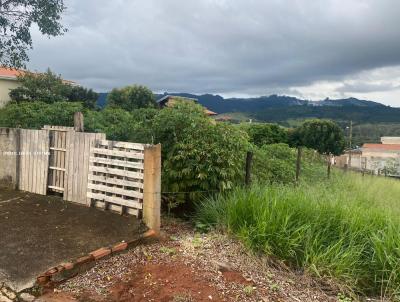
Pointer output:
x,y
346,230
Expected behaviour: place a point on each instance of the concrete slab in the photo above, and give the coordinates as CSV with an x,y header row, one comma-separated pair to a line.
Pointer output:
x,y
38,232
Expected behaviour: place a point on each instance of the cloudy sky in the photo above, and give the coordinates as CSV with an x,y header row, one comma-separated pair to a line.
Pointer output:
x,y
306,48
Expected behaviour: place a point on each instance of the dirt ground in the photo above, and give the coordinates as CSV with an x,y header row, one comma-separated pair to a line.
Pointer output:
x,y
186,266
39,232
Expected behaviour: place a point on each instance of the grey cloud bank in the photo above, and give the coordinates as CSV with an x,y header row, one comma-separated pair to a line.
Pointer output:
x,y
307,48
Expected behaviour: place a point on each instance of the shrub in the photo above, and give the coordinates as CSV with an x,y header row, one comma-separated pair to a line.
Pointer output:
x,y
198,154
263,134
276,163
50,88
34,115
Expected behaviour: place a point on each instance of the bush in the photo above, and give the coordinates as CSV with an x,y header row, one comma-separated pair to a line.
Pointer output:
x,y
51,88
263,134
276,163
34,115
198,154
347,230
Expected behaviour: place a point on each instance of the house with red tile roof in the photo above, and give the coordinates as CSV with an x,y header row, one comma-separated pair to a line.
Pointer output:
x,y
170,100
375,157
9,81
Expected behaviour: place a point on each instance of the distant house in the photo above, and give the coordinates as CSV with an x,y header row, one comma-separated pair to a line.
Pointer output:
x,y
170,100
374,157
8,81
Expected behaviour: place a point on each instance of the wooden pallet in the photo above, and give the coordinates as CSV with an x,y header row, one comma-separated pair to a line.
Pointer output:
x,y
116,173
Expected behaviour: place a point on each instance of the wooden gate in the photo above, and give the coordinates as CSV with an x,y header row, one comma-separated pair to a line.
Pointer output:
x,y
33,160
58,149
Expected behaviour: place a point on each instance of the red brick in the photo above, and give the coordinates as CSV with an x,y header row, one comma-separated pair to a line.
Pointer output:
x,y
51,271
43,279
84,259
119,247
100,253
68,265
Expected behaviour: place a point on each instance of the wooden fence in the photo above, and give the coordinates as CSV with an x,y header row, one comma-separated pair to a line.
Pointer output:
x,y
90,170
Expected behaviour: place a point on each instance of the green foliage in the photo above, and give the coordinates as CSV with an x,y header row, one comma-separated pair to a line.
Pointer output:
x,y
347,230
322,135
121,125
276,163
50,88
199,154
16,20
36,114
131,97
263,134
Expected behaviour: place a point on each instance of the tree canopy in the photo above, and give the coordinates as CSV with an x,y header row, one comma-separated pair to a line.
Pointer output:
x,y
131,97
322,135
16,19
49,88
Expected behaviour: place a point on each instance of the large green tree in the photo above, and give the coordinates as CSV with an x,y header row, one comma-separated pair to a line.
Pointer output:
x,y
16,19
49,87
131,97
324,136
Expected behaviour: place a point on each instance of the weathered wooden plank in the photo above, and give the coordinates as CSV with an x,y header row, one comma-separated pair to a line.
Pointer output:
x,y
117,162
116,200
117,144
115,208
133,155
115,190
115,181
119,172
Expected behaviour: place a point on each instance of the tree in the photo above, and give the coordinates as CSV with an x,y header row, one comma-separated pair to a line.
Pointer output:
x,y
131,97
50,88
16,19
324,136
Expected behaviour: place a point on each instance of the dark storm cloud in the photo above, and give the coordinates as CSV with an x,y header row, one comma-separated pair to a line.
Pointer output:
x,y
221,46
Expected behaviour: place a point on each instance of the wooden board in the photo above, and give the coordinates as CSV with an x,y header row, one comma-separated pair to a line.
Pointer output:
x,y
34,161
115,180
77,164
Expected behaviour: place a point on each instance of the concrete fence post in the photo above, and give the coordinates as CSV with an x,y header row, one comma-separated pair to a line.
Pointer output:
x,y
152,187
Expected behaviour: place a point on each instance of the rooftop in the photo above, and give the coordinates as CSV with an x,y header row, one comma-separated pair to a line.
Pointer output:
x,y
382,147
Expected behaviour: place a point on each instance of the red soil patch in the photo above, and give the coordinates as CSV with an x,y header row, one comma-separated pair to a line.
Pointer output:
x,y
163,282
235,277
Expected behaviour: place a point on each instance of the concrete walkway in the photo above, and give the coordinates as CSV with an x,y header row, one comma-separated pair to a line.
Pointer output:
x,y
38,232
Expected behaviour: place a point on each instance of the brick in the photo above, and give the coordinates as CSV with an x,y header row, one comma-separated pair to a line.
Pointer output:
x,y
100,253
51,271
84,259
43,280
68,265
119,247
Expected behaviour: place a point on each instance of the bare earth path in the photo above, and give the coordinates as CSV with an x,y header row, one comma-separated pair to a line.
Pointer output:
x,y
186,267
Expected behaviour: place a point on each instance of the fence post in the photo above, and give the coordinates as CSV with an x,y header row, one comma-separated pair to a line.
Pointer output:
x,y
78,122
298,164
152,187
249,159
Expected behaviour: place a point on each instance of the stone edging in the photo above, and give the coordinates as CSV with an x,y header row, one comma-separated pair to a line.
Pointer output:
x,y
67,270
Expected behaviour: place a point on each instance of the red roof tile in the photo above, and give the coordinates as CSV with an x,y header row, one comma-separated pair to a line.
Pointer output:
x,y
9,73
388,147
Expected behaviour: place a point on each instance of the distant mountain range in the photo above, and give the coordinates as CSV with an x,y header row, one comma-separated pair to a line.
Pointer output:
x,y
276,108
